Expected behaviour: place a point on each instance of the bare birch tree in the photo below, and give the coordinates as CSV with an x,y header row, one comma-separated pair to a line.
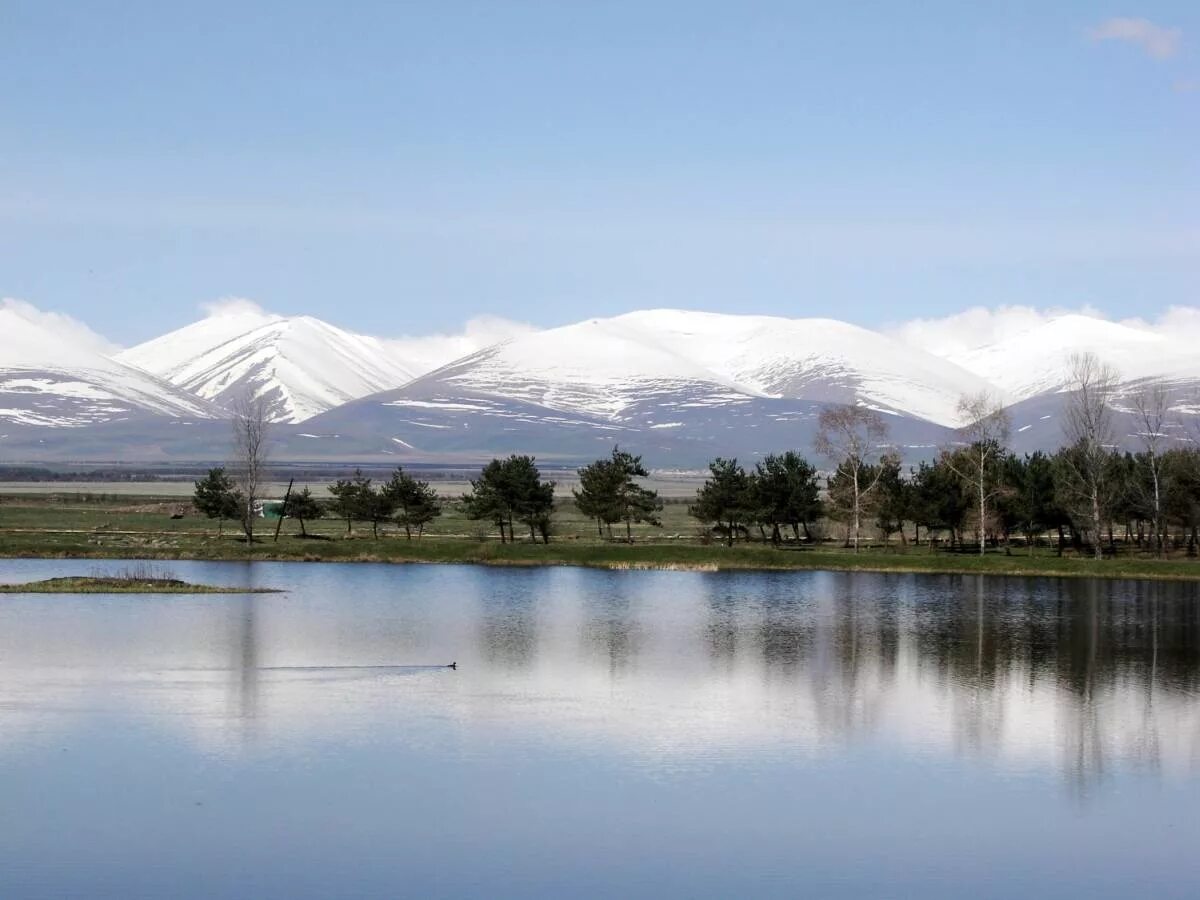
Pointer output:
x,y
1088,425
250,430
852,438
1152,406
985,432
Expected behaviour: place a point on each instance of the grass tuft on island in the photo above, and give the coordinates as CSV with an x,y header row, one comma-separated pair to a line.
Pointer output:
x,y
88,584
139,578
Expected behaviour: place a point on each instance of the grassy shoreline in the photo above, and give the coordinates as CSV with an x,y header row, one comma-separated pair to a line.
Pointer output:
x,y
644,556
57,526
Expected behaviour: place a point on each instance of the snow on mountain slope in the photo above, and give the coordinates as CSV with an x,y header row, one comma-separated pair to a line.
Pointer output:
x,y
1037,361
301,366
614,367
819,359
51,378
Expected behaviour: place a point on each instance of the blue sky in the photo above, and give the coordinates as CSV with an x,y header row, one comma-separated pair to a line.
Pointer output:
x,y
398,168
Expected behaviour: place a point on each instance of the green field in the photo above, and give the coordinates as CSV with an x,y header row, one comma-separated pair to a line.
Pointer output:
x,y
90,525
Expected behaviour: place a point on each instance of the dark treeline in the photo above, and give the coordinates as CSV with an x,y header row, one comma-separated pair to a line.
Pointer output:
x,y
1030,499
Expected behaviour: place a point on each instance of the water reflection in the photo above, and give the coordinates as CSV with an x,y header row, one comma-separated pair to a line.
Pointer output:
x,y
1077,677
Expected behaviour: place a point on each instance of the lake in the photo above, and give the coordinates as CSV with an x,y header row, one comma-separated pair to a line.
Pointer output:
x,y
612,734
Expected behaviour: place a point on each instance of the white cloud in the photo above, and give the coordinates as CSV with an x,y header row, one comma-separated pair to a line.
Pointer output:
x,y
428,352
1181,323
976,327
1155,40
234,306
71,331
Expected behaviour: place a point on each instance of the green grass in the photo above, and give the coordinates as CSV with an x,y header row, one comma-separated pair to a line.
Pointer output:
x,y
66,526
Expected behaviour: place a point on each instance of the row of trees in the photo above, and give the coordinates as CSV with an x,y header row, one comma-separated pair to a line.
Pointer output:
x,y
508,492
780,493
410,503
1153,502
402,499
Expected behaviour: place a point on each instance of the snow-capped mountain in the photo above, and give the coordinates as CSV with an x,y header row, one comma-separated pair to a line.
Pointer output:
x,y
677,386
667,381
1037,361
624,367
50,378
300,365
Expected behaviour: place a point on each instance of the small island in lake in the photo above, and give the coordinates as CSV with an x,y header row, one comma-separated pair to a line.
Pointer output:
x,y
140,580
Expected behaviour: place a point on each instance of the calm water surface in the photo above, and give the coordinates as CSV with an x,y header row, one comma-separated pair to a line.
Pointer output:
x,y
606,734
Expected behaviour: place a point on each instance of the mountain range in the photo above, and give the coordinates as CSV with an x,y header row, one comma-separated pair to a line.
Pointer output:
x,y
676,386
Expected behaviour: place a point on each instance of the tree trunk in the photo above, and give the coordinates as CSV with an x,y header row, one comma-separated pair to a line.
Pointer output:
x,y
982,504
303,533
1097,550
857,524
1157,507
628,531
407,530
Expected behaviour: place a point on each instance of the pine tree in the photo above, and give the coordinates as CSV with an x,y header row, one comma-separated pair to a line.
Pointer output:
x,y
217,497
635,503
300,506
414,502
345,500
597,496
509,491
785,493
724,498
